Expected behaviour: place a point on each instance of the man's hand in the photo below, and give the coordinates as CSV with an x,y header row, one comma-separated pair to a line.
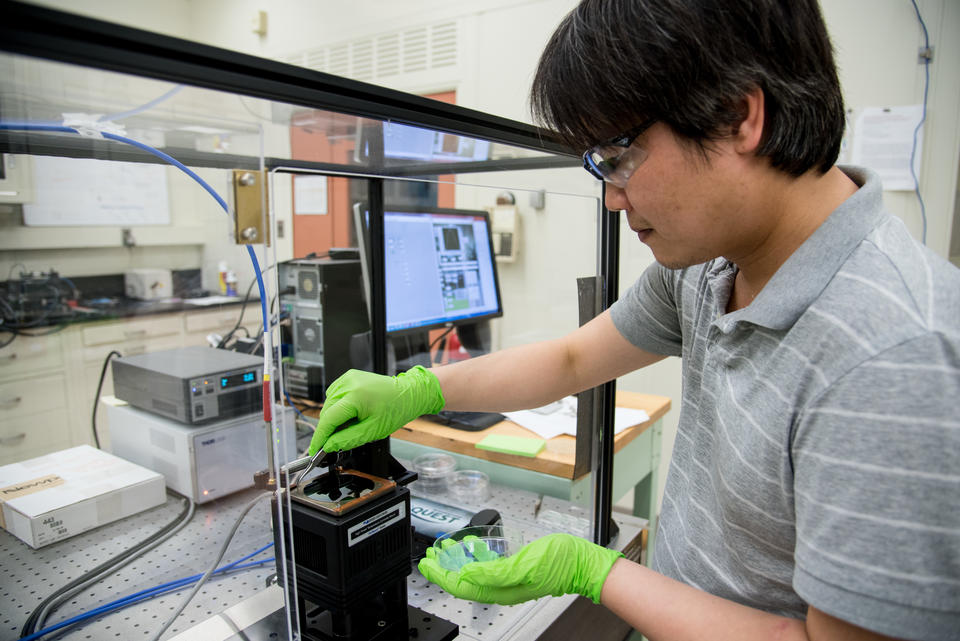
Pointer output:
x,y
380,405
555,564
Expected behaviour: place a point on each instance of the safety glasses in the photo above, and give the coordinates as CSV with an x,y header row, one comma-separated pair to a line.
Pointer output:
x,y
616,159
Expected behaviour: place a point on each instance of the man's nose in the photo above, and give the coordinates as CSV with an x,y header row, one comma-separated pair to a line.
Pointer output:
x,y
615,198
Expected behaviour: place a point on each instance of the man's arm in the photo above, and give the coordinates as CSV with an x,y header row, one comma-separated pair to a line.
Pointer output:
x,y
667,610
538,373
374,406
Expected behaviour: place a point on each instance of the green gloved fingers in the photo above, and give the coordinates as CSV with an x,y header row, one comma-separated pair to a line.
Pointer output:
x,y
555,564
380,404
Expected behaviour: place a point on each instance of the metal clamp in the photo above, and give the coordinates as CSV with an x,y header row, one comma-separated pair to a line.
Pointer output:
x,y
312,463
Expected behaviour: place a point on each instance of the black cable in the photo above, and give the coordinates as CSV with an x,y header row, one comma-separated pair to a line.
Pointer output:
x,y
439,338
14,332
289,289
29,627
20,332
243,307
96,399
213,567
7,310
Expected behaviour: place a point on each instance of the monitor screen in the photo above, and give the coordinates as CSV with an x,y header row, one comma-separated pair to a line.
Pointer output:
x,y
440,268
414,143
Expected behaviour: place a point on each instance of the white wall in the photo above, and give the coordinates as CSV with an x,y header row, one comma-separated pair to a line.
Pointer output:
x,y
501,40
170,17
877,56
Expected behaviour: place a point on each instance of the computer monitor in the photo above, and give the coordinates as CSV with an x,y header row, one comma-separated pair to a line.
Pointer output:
x,y
414,143
440,268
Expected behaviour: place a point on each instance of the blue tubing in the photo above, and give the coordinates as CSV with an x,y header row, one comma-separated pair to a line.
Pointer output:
x,y
149,593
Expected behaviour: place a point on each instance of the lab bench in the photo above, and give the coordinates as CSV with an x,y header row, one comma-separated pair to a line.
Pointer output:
x,y
248,600
31,575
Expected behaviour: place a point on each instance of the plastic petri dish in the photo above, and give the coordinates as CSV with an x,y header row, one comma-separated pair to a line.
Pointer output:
x,y
454,550
433,470
469,485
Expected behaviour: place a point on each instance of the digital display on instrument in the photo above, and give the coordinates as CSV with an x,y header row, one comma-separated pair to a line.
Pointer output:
x,y
238,379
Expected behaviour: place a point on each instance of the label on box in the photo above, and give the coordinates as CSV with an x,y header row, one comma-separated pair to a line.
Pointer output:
x,y
433,519
368,527
51,529
26,487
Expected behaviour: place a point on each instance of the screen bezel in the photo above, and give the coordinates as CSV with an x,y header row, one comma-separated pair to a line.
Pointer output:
x,y
466,320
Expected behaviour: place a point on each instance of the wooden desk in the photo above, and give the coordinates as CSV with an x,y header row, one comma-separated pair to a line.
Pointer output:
x,y
636,456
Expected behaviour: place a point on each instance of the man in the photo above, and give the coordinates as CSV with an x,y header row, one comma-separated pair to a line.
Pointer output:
x,y
814,491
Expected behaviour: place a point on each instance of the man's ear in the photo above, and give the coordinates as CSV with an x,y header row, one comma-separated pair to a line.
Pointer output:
x,y
749,132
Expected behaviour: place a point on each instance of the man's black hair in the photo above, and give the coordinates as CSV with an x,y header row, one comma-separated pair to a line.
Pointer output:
x,y
688,63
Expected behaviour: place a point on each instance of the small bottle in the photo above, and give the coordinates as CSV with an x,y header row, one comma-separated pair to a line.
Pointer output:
x,y
222,279
231,281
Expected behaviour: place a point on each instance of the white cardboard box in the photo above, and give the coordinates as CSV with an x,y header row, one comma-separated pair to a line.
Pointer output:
x,y
53,497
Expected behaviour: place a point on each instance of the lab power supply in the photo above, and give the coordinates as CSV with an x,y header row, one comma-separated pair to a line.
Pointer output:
x,y
193,385
202,462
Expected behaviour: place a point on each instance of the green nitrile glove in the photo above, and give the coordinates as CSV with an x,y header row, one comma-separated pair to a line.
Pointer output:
x,y
555,564
381,405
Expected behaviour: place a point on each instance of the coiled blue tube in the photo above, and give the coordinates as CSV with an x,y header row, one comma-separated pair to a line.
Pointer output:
x,y
148,593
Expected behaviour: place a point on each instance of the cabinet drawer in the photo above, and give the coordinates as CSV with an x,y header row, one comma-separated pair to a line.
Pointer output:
x,y
95,355
222,319
28,354
27,437
131,330
28,396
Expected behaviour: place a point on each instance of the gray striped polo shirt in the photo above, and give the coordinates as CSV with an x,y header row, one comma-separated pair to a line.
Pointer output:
x,y
817,459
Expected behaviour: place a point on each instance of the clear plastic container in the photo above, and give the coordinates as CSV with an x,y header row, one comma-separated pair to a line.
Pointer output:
x,y
470,486
433,469
478,543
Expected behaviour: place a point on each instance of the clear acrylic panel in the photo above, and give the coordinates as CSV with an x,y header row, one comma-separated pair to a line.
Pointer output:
x,y
127,227
122,271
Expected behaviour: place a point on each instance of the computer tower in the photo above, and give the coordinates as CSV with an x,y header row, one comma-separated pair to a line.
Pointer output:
x,y
327,308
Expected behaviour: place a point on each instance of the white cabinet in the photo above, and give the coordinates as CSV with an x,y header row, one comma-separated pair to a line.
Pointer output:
x,y
33,398
48,383
198,325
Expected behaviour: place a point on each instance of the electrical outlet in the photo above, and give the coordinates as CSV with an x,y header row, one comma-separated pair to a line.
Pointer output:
x,y
258,23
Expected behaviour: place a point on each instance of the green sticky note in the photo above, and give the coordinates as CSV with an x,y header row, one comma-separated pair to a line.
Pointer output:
x,y
519,445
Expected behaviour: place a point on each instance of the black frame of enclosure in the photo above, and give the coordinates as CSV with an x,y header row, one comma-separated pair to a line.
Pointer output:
x,y
608,239
69,38
64,37
72,146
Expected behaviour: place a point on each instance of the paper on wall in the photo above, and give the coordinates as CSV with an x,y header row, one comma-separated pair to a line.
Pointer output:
x,y
310,195
883,141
